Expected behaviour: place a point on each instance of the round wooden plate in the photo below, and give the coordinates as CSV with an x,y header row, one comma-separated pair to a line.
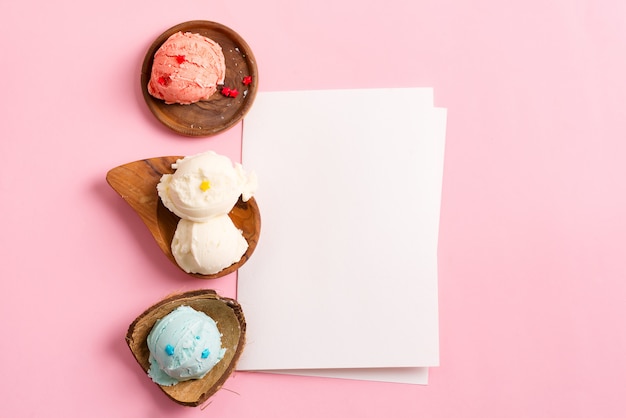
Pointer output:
x,y
219,113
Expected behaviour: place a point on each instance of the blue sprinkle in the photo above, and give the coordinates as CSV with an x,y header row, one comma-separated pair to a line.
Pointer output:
x,y
169,350
197,337
205,353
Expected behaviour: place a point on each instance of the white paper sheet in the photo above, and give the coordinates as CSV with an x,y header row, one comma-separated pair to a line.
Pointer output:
x,y
411,375
343,282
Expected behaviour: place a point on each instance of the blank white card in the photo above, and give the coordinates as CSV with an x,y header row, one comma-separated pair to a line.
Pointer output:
x,y
343,282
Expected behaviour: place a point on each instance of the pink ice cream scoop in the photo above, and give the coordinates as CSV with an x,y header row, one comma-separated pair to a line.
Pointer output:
x,y
187,68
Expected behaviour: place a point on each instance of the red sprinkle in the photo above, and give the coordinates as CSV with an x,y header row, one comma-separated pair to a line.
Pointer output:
x,y
180,59
228,92
247,80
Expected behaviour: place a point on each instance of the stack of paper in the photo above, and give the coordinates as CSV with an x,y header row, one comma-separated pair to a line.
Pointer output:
x,y
343,282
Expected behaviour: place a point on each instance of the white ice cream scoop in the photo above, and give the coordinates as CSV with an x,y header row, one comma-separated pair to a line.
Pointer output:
x,y
205,185
208,247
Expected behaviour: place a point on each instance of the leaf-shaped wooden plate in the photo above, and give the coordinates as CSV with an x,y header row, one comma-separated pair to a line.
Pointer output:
x,y
136,183
219,113
228,315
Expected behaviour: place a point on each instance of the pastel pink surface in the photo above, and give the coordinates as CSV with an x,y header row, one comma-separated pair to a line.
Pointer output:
x,y
532,229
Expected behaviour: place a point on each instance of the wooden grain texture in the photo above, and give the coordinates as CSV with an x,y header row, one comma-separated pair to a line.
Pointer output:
x,y
136,183
219,113
231,322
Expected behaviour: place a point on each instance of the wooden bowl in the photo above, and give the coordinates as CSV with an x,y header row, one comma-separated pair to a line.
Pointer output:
x,y
219,113
228,315
136,183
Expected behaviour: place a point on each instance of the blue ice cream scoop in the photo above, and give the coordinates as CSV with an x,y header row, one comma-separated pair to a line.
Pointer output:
x,y
185,344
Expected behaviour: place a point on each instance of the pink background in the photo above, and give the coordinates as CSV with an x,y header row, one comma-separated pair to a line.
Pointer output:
x,y
532,265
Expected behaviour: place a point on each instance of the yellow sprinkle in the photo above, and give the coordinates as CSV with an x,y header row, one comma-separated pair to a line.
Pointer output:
x,y
205,185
